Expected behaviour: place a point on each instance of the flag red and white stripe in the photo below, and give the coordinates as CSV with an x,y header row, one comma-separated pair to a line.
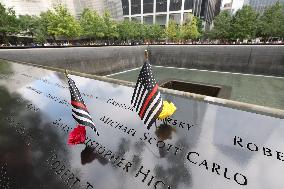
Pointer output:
x,y
79,110
146,98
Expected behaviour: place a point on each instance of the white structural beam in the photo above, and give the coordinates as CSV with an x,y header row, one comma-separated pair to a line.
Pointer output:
x,y
129,9
168,12
182,12
154,11
142,11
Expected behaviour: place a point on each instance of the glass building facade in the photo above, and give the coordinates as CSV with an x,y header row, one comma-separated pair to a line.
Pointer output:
x,y
260,5
145,11
114,7
161,11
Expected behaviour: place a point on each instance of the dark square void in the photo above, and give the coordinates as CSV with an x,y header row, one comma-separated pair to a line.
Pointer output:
x,y
208,90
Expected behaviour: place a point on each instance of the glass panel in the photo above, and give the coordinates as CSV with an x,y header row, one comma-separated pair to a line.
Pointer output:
x,y
148,6
161,19
125,7
135,7
188,4
175,5
161,6
203,7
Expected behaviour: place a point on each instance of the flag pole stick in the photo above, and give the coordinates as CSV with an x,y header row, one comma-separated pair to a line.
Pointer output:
x,y
66,72
146,55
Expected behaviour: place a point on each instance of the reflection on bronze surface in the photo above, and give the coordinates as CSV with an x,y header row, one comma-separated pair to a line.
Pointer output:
x,y
89,154
164,131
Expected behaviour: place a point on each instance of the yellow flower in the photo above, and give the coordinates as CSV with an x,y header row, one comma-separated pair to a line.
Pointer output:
x,y
168,110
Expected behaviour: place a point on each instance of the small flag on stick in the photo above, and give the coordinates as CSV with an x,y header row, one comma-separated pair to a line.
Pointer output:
x,y
146,98
79,110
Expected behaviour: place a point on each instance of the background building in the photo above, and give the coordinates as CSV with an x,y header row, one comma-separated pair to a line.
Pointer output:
x,y
232,5
113,6
35,7
76,7
30,7
260,5
161,11
97,5
145,11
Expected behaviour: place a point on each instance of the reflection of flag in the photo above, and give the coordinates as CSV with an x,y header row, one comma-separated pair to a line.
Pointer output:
x,y
146,98
79,111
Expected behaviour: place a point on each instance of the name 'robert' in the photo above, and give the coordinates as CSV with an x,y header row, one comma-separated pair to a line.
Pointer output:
x,y
64,173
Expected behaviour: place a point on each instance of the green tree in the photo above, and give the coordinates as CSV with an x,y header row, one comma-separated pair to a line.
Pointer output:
x,y
244,24
222,26
28,24
146,32
271,23
173,31
129,30
124,30
155,32
190,29
140,30
137,30
8,23
41,31
199,25
92,24
110,27
62,24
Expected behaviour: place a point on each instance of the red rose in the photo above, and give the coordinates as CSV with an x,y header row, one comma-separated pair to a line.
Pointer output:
x,y
77,136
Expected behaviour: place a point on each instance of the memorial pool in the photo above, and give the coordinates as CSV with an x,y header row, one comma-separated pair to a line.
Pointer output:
x,y
254,89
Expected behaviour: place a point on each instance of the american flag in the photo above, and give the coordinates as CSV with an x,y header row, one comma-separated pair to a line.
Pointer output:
x,y
79,110
146,98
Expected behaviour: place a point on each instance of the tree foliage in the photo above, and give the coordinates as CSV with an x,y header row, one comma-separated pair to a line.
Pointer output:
x,y
244,24
271,23
28,24
155,32
8,22
199,25
110,26
41,32
190,29
92,24
124,30
222,26
62,24
173,31
131,30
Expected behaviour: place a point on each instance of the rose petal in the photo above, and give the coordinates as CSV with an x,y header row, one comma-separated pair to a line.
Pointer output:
x,y
77,135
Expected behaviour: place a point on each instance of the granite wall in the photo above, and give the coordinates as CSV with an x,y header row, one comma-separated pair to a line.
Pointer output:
x,y
255,59
92,60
